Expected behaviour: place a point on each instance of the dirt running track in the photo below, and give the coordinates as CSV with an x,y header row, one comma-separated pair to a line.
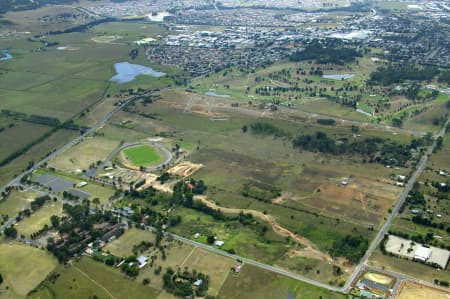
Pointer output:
x,y
276,227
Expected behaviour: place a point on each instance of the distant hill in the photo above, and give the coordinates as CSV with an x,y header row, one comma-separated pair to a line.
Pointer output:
x,y
11,5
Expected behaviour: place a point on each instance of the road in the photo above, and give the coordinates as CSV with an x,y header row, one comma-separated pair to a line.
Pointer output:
x,y
292,113
361,266
384,229
68,145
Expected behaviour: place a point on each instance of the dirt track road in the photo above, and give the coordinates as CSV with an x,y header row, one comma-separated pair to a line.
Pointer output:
x,y
310,246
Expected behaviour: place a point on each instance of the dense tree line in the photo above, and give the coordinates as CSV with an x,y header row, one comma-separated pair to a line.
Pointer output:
x,y
444,77
400,73
263,128
351,247
326,53
376,149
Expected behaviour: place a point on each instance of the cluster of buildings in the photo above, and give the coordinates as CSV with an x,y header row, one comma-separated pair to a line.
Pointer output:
x,y
246,17
203,52
408,249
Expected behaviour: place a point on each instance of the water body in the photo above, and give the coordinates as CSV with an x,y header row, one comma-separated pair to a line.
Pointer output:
x,y
127,72
213,94
5,55
339,77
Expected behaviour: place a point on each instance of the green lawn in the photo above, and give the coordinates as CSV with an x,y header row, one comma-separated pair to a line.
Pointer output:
x,y
142,155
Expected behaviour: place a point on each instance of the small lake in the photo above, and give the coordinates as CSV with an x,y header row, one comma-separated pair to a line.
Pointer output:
x,y
4,55
339,77
127,72
213,94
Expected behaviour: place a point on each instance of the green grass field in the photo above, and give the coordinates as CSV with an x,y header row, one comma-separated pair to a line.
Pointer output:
x,y
16,202
39,219
23,268
142,155
252,282
87,278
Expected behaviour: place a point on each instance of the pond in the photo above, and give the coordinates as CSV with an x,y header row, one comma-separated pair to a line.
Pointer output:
x,y
339,76
4,55
127,72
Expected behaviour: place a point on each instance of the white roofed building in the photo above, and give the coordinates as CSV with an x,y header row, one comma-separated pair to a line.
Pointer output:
x,y
422,254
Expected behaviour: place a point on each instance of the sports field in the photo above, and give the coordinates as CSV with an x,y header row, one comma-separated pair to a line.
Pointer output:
x,y
142,155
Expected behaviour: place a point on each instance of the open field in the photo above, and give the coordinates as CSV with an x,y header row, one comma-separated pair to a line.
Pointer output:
x,y
23,268
81,156
28,132
217,267
416,291
39,219
253,282
16,202
87,278
141,155
123,246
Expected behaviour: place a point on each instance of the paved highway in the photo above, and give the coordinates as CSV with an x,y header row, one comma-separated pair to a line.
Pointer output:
x,y
384,229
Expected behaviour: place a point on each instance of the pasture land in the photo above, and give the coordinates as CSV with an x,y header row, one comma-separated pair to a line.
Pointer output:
x,y
123,246
23,268
412,290
9,141
44,19
141,155
87,278
252,282
39,219
16,201
35,153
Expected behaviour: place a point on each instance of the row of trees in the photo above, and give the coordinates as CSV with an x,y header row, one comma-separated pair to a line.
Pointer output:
x,y
400,73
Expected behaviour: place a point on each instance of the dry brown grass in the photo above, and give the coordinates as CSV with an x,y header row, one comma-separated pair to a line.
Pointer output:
x,y
417,291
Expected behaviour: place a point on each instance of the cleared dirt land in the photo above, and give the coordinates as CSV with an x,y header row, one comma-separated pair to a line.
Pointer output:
x,y
23,268
418,291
